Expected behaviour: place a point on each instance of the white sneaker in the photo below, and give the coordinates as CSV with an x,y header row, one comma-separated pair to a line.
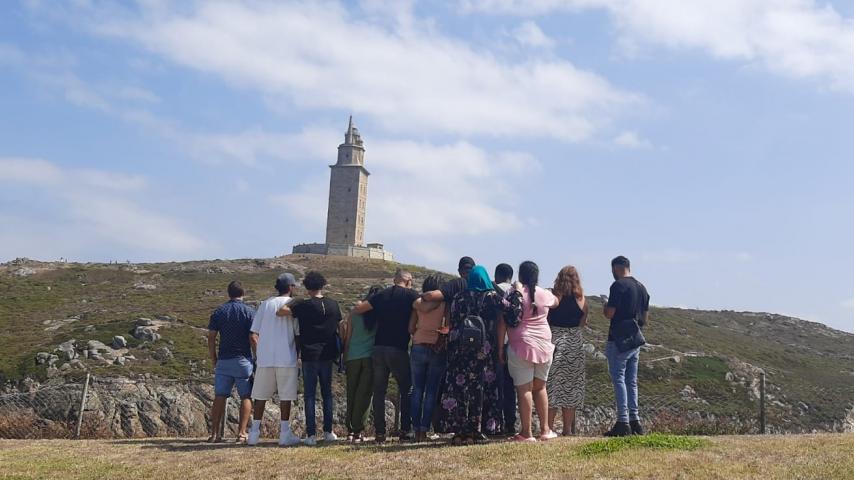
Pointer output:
x,y
288,439
330,437
310,441
254,435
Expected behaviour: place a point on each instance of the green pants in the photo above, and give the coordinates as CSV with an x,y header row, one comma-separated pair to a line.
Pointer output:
x,y
359,388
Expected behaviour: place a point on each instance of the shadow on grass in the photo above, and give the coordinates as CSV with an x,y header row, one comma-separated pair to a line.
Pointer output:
x,y
201,445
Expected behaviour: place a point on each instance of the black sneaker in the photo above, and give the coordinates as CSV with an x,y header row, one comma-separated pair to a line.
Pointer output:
x,y
620,429
637,428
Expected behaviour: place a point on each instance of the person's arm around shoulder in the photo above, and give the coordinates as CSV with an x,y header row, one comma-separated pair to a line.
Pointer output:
x,y
555,299
287,310
363,307
434,296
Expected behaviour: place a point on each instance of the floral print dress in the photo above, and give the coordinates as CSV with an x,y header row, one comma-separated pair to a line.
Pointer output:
x,y
471,401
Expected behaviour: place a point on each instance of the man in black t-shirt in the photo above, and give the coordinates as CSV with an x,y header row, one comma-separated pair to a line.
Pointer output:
x,y
317,321
452,287
392,309
628,301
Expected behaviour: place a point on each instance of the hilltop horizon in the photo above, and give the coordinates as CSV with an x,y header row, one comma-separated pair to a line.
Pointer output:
x,y
450,273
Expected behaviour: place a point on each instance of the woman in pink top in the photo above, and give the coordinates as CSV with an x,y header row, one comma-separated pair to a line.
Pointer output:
x,y
529,355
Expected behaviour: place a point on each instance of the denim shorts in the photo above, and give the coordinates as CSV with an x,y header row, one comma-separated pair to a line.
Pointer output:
x,y
233,372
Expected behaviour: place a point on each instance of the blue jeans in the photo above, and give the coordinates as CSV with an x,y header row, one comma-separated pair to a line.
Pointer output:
x,y
427,369
623,367
311,373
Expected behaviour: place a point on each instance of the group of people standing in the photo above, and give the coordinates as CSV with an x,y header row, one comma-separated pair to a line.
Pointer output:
x,y
466,355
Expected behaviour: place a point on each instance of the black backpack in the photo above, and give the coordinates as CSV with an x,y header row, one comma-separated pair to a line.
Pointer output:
x,y
473,328
511,308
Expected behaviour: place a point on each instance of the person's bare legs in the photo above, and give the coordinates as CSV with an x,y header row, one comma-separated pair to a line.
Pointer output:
x,y
568,421
552,416
245,413
217,412
259,409
285,407
523,393
541,400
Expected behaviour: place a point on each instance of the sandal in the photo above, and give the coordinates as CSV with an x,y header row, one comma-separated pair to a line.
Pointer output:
x,y
242,438
548,436
520,438
358,438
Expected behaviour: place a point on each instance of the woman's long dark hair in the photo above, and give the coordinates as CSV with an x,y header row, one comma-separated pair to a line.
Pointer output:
x,y
369,319
529,275
430,284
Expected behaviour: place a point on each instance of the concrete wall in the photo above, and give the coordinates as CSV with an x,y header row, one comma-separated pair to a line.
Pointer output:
x,y
344,251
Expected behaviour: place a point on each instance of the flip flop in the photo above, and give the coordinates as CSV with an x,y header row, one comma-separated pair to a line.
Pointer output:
x,y
520,438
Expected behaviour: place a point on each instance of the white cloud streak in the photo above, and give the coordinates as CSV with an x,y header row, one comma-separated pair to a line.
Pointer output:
x,y
530,34
632,140
795,38
401,72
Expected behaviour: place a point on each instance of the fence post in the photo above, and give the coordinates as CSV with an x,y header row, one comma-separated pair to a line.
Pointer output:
x,y
82,407
762,418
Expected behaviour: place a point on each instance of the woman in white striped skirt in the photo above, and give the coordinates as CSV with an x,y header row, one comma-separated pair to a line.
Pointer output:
x,y
567,376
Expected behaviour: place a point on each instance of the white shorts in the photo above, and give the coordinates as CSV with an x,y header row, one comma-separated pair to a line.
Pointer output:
x,y
271,380
524,371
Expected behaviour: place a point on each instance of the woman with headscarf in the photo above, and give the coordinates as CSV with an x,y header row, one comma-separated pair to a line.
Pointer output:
x,y
470,405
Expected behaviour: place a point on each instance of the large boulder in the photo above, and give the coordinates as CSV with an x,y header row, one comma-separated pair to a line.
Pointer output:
x,y
67,350
146,334
45,358
119,342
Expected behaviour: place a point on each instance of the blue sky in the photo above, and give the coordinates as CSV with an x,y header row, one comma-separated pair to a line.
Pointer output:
x,y
709,141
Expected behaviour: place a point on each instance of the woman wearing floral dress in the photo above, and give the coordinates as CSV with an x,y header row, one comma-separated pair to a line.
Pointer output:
x,y
470,405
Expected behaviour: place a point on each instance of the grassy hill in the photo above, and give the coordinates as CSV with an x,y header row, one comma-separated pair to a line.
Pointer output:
x,y
810,367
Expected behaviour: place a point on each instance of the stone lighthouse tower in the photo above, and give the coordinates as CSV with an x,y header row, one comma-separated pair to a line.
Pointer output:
x,y
348,192
348,202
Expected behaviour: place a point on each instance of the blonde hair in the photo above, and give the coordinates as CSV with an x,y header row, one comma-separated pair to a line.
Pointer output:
x,y
568,283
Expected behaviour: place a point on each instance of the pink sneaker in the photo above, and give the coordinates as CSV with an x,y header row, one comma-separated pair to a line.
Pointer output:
x,y
548,436
520,438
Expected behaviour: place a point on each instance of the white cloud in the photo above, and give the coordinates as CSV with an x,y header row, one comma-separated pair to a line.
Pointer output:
x,y
629,139
91,207
794,38
530,34
403,73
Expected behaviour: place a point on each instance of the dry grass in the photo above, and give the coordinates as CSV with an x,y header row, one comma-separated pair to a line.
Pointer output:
x,y
769,457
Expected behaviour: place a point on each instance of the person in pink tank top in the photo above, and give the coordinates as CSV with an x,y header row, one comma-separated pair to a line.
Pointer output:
x,y
529,355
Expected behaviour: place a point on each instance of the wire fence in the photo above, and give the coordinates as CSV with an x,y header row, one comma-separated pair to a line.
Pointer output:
x,y
150,407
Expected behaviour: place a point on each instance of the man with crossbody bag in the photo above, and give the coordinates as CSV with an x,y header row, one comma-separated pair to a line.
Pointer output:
x,y
628,311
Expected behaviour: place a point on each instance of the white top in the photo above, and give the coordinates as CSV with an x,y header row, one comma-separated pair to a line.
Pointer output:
x,y
276,346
